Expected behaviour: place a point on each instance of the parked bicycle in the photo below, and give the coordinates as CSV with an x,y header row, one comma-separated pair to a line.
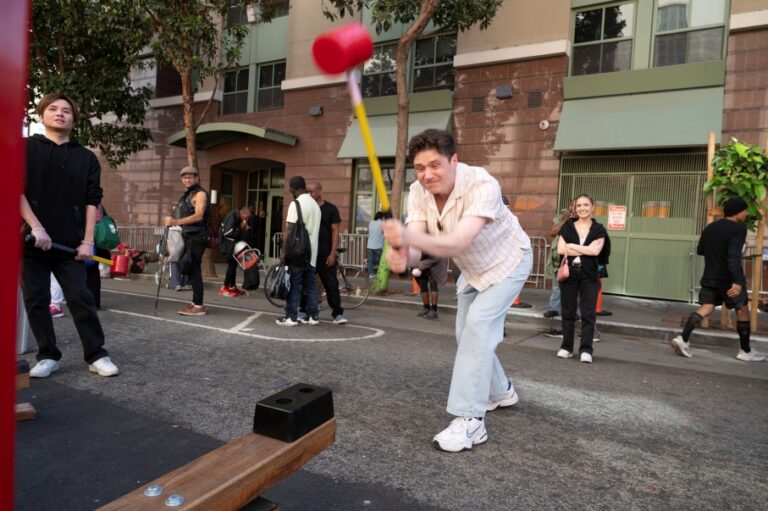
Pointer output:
x,y
353,284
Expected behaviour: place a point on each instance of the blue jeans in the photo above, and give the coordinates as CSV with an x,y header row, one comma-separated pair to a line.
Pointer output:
x,y
477,372
302,280
374,256
554,298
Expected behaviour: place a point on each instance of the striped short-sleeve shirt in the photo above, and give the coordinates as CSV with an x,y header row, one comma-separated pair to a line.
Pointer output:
x,y
498,247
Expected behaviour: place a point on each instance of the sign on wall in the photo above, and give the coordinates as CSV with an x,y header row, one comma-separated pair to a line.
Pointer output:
x,y
617,217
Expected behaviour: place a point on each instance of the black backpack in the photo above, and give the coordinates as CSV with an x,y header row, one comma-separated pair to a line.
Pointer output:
x,y
298,249
229,233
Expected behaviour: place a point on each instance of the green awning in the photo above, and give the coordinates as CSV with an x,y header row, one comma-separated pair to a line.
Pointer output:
x,y
216,133
664,119
384,132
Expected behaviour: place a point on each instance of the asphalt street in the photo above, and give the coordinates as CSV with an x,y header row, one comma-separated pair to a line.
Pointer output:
x,y
640,428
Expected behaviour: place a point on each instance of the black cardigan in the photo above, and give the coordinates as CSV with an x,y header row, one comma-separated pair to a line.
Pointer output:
x,y
589,264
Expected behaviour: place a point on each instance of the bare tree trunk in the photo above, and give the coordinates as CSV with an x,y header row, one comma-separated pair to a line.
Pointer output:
x,y
428,7
209,270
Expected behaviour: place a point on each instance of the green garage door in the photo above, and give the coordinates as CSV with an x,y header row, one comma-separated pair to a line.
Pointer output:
x,y
654,255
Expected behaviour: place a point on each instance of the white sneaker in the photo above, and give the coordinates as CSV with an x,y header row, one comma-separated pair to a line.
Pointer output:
x,y
681,347
510,398
586,358
752,356
44,368
104,367
461,435
308,321
563,353
286,322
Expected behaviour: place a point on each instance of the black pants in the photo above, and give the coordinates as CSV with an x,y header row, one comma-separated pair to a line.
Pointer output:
x,y
36,286
330,283
195,273
582,289
93,277
230,277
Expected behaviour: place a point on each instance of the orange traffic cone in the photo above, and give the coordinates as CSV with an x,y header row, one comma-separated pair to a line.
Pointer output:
x,y
414,287
517,304
599,307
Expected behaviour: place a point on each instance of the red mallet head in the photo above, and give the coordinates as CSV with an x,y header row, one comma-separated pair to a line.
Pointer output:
x,y
342,49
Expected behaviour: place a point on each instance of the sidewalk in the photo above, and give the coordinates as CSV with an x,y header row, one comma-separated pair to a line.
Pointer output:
x,y
634,317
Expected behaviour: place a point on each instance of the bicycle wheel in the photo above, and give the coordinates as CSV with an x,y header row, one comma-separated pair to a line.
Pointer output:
x,y
269,283
353,287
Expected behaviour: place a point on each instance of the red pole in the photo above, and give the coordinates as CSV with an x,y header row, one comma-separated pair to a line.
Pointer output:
x,y
13,69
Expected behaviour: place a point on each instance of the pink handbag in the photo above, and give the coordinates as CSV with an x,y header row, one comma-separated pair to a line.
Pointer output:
x,y
563,272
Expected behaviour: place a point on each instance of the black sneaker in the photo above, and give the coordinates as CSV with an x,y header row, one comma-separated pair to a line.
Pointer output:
x,y
553,332
551,314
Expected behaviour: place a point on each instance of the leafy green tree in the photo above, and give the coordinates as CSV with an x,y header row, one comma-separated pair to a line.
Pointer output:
x,y
191,36
741,170
86,48
446,15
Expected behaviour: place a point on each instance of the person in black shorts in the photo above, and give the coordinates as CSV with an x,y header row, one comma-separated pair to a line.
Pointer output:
x,y
723,280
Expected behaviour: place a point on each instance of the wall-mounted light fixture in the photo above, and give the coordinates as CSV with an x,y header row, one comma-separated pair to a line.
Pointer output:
x,y
214,196
316,111
504,92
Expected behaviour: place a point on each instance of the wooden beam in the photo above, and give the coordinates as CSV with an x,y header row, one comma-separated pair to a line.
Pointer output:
x,y
25,412
232,475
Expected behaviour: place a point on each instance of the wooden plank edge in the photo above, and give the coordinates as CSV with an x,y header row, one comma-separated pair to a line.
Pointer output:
x,y
25,412
239,482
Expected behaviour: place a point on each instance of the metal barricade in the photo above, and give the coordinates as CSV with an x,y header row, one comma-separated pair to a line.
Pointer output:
x,y
140,237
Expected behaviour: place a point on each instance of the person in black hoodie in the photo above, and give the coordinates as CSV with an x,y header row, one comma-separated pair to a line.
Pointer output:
x,y
723,280
193,215
582,241
62,192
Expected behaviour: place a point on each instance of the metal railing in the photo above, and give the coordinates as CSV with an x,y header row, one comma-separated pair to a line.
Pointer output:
x,y
140,237
357,255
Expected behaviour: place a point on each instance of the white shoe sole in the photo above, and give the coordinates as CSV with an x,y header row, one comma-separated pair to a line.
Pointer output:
x,y
504,403
569,355
100,373
481,440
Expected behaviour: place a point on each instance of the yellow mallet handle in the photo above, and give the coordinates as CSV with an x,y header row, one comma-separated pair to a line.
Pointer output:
x,y
365,129
98,259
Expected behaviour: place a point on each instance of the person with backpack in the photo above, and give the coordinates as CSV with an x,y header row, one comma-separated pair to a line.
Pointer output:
x,y
299,252
193,215
233,228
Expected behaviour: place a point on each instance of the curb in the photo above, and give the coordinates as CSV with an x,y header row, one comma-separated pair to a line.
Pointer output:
x,y
534,316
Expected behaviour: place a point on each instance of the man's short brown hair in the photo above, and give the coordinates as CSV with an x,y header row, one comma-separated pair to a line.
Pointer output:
x,y
46,100
439,140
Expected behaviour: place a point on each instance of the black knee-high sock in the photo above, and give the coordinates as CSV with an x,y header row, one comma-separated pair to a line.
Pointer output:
x,y
743,328
694,320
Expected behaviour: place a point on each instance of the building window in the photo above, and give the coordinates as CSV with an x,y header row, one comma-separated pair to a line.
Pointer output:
x,y
269,95
379,72
240,12
433,63
432,67
367,201
688,31
235,93
236,14
602,39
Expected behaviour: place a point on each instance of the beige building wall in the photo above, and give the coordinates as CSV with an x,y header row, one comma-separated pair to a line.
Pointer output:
x,y
742,6
518,22
306,22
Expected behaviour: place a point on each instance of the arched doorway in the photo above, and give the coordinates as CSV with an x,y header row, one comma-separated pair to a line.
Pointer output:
x,y
259,184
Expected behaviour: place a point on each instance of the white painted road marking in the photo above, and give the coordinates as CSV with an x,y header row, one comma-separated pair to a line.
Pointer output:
x,y
375,332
